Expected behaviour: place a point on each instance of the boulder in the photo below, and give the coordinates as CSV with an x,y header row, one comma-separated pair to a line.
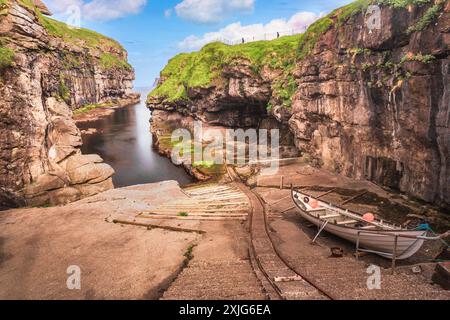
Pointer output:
x,y
90,173
64,196
88,190
45,182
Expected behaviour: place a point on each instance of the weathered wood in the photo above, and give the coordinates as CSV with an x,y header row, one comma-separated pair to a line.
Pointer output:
x,y
194,218
155,226
198,210
288,209
342,223
197,214
280,200
353,198
326,193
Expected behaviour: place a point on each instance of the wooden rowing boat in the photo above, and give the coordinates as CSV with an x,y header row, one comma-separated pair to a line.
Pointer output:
x,y
377,236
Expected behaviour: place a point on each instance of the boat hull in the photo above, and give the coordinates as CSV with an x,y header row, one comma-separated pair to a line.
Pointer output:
x,y
379,242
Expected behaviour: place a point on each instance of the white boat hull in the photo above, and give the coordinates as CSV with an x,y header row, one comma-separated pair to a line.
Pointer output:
x,y
381,242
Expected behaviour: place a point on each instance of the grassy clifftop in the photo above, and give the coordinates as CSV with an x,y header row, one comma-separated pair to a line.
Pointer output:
x,y
200,69
111,53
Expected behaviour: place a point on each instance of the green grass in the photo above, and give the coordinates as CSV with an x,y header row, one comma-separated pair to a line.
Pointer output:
x,y
402,3
79,36
429,17
6,57
183,214
63,90
200,69
3,7
109,61
188,254
204,164
91,107
204,68
426,58
84,38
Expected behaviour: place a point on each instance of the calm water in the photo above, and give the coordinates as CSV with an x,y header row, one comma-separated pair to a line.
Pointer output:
x,y
124,142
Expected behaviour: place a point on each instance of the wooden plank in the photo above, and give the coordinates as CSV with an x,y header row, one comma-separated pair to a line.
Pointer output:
x,y
288,209
278,201
211,206
328,216
193,218
342,223
223,199
197,210
155,226
353,198
212,191
326,193
198,214
218,195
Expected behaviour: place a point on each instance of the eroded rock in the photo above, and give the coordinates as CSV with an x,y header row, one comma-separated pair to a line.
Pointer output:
x,y
49,77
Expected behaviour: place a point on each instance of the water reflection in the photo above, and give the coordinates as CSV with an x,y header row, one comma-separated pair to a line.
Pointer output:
x,y
124,141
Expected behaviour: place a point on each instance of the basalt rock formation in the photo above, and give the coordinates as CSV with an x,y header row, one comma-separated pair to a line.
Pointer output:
x,y
364,101
48,70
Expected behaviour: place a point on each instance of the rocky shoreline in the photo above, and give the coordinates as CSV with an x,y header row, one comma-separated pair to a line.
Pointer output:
x,y
101,112
162,125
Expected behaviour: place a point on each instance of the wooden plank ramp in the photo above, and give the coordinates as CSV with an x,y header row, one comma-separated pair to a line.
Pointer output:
x,y
210,202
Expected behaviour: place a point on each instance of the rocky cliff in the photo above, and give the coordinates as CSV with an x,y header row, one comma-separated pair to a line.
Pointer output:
x,y
364,101
48,70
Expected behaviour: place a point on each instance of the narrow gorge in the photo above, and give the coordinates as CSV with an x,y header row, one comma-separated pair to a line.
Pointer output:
x,y
48,71
366,103
104,195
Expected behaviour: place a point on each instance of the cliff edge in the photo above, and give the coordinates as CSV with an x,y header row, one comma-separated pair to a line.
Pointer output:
x,y
48,70
368,102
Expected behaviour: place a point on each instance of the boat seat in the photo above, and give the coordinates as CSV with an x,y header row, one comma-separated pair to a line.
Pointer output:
x,y
342,223
329,216
317,210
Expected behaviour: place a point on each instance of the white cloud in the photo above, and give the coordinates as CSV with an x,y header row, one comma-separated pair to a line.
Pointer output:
x,y
168,13
212,11
97,9
234,32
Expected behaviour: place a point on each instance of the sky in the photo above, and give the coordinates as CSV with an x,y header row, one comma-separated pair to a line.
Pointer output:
x,y
153,31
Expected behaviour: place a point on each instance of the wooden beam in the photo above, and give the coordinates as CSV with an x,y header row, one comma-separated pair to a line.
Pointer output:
x,y
324,194
342,223
353,198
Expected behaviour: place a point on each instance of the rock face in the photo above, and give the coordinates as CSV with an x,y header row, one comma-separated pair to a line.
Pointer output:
x,y
238,100
49,77
369,103
380,114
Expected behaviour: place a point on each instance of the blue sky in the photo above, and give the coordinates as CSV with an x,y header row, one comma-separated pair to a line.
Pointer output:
x,y
153,31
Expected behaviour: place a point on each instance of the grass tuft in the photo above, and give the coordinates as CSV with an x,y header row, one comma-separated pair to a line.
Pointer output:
x,y
91,107
6,57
